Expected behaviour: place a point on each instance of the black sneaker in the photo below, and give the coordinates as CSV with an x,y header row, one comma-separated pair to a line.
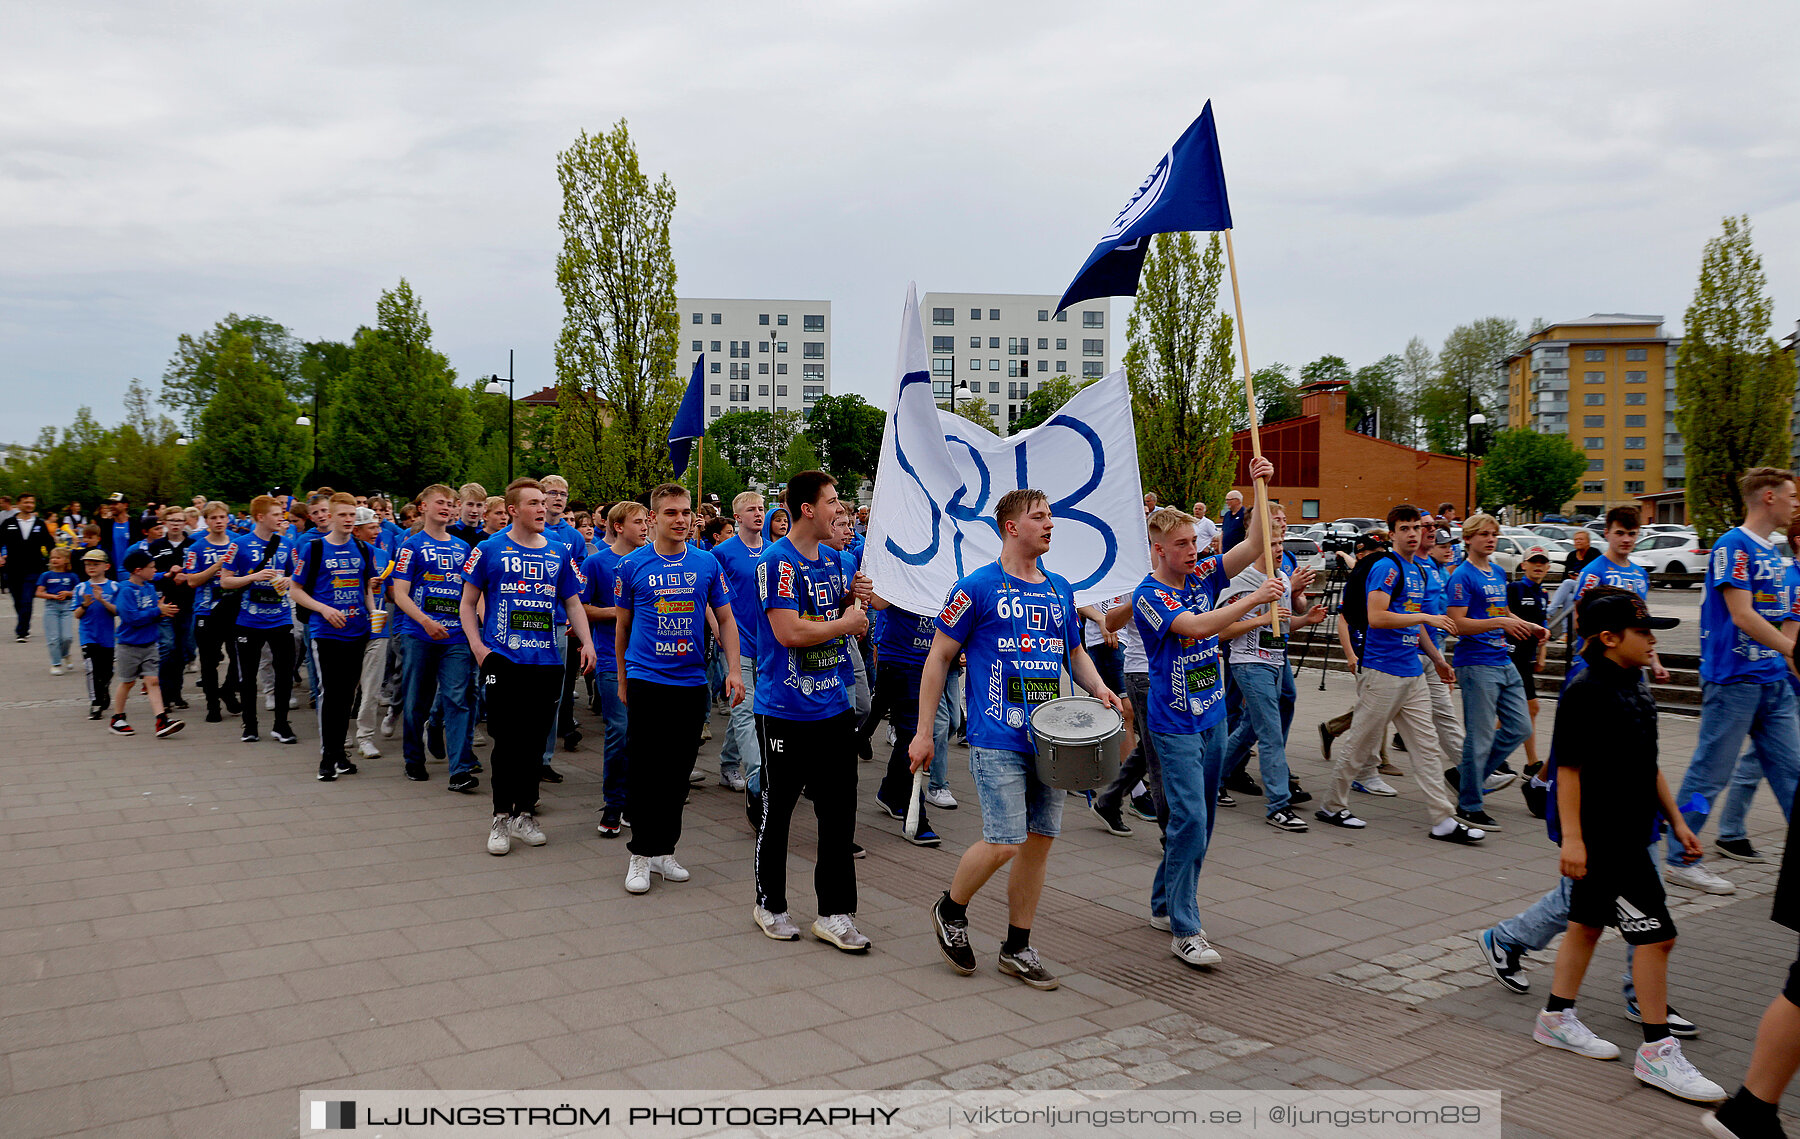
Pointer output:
x,y
1225,799
231,708
284,734
1144,807
864,751
1399,744
117,726
1503,962
549,774
434,740
1537,799
1735,1120
1325,738
327,772
1286,820
1026,966
753,809
888,808
167,727
1478,819
1241,782
856,851
345,767
1678,1025
1453,777
96,713
1297,794
464,783
213,716
250,736
476,768
417,773
609,824
1113,820
1340,819
1459,834
924,837
953,939
176,705
1738,848
571,741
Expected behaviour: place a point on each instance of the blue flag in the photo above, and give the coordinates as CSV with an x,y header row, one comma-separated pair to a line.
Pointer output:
x,y
1184,192
690,419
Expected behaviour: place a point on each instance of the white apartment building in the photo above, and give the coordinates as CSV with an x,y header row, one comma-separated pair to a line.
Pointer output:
x,y
761,355
973,336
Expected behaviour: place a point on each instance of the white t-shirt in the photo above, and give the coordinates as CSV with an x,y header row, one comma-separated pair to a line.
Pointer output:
x,y
1091,631
1136,659
1259,645
1204,532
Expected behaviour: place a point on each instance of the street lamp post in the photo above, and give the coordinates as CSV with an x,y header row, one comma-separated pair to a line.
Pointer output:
x,y
1476,419
774,427
494,388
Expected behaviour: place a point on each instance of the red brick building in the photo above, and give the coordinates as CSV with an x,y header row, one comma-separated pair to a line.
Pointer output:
x,y
1323,470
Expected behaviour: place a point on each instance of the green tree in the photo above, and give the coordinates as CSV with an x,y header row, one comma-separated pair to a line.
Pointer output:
x,y
398,421
1277,396
1733,390
975,411
744,438
722,478
846,430
1469,379
799,455
146,458
1179,359
1046,401
615,360
191,377
1418,363
1380,388
1532,471
247,440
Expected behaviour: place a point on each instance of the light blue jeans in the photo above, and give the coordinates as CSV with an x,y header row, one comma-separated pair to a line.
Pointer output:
x,y
1267,703
1489,691
59,628
1728,712
1193,767
612,770
740,751
1744,780
949,714
1549,916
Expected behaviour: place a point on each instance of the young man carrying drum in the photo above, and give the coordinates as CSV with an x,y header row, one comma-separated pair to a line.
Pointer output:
x,y
1016,622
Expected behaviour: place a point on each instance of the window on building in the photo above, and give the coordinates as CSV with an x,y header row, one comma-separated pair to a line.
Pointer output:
x,y
943,367
943,343
1043,365
974,365
1594,399
1637,421
813,349
974,314
993,365
781,369
1093,319
1092,369
1593,443
715,411
715,347
763,368
715,367
1637,353
1043,314
1634,464
994,408
781,320
1012,391
781,389
1309,508
699,318
1594,355
1634,486
1062,344
1012,345
994,343
943,316
763,347
780,347
814,392
1634,442
715,389
993,314
1635,377
1063,316
762,389
1012,367
1636,399
1596,464
1043,344
1093,347
718,318
974,341
1593,421
994,389
1062,367
812,372
1593,377
763,319
699,345
1594,487
812,324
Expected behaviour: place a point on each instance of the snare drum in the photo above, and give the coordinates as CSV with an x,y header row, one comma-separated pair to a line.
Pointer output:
x,y
1078,740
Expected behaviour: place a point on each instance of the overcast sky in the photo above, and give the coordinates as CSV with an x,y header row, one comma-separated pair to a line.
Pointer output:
x,y
1394,168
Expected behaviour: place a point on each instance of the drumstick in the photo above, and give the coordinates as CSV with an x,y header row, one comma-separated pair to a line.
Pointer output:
x,y
911,827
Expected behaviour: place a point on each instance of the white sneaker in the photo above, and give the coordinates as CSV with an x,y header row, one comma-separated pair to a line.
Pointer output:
x,y
733,782
269,702
779,926
942,799
1195,950
1374,785
478,738
390,721
637,875
57,670
1498,780
1698,877
1160,921
367,749
500,837
525,828
1661,1065
671,870
1564,1030
840,930
893,736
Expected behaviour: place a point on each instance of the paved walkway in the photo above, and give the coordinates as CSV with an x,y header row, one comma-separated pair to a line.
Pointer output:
x,y
193,929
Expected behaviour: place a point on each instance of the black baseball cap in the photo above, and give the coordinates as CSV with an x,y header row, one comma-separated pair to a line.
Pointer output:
x,y
137,559
1614,611
1368,541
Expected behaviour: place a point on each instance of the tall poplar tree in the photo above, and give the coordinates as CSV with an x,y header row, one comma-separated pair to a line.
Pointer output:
x,y
247,443
1734,396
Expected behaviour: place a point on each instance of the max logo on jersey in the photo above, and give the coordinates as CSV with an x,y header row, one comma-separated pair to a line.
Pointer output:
x,y
959,604
784,582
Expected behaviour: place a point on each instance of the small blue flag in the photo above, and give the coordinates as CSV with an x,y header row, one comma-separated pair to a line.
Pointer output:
x,y
1184,192
1696,805
690,420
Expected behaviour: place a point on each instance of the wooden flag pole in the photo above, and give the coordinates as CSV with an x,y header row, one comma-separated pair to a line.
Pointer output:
x,y
1262,488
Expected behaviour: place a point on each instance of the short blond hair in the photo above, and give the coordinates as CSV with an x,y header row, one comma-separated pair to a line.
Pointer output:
x,y
1477,522
215,507
1166,518
624,511
470,492
553,481
745,498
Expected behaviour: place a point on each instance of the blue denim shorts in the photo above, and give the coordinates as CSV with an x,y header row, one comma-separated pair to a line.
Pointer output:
x,y
1013,801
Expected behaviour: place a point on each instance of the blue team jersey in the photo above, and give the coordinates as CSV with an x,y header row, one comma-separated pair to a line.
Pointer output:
x,y
54,582
668,599
564,534
378,592
202,555
601,570
1014,634
1603,571
905,637
1396,651
739,562
138,612
1741,560
1485,596
96,626
432,571
1187,684
336,575
523,586
1437,594
807,683
263,606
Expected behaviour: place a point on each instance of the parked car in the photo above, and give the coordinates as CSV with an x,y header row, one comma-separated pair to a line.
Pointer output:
x,y
1511,549
1665,528
1671,554
1555,530
1307,552
1363,525
1554,518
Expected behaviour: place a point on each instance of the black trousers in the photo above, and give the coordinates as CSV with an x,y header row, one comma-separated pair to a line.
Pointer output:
x,y
250,644
878,702
22,587
659,758
99,660
1143,762
521,706
819,757
897,687
214,639
338,663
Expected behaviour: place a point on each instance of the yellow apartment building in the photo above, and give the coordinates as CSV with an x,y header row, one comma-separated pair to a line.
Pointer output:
x,y
1607,382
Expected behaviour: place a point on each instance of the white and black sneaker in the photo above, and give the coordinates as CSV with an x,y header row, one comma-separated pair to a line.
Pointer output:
x,y
1286,820
953,939
1341,818
1503,962
1678,1025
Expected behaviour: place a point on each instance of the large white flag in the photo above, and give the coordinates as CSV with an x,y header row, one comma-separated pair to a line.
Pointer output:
x,y
932,520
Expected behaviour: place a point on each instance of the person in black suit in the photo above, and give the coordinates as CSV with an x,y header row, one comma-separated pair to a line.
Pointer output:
x,y
25,545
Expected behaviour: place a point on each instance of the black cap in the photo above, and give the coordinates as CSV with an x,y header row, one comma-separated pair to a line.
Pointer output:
x,y
136,559
1368,541
1615,611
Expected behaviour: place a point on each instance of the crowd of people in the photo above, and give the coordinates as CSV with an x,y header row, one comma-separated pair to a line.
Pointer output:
x,y
465,611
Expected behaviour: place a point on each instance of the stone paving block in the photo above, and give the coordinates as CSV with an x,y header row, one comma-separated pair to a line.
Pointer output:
x,y
1040,1080
1089,1068
1032,1061
979,1076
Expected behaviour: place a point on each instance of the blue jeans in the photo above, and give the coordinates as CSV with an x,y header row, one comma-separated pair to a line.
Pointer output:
x,y
1267,692
1537,926
59,627
440,672
949,714
613,770
1489,691
1193,767
740,752
1014,802
1763,711
1744,780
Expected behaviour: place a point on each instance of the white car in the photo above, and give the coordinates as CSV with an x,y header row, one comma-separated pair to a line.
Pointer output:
x,y
1306,552
1669,553
1510,550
